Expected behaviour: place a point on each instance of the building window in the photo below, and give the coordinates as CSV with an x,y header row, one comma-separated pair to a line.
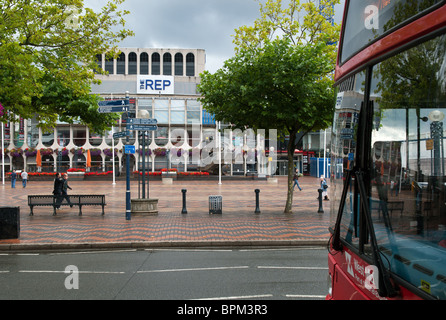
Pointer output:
x,y
144,63
79,136
33,132
99,62
167,64
190,65
48,138
63,136
95,139
178,64
120,64
162,110
161,136
177,109
193,112
109,65
132,63
156,64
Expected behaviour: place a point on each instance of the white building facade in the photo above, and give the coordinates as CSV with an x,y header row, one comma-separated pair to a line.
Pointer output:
x,y
160,84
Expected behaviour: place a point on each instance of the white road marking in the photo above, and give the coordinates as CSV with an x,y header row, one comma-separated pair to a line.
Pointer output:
x,y
193,269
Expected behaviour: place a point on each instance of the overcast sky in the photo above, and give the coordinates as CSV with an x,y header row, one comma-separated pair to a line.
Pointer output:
x,y
192,24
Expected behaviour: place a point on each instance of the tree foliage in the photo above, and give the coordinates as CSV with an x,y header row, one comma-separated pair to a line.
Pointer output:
x,y
47,57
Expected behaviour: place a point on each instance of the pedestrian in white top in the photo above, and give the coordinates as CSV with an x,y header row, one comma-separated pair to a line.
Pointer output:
x,y
24,176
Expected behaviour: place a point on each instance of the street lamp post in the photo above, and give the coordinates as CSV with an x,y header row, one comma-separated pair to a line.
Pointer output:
x,y
128,212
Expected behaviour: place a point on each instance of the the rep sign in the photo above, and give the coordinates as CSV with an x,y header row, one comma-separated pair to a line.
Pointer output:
x,y
155,85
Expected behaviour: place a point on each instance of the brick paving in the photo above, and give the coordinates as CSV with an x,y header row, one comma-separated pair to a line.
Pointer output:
x,y
237,225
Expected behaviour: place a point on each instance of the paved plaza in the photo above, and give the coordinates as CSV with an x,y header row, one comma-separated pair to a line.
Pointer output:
x,y
237,225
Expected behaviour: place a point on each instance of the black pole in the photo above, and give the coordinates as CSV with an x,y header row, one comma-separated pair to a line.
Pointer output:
x,y
321,209
184,211
143,164
257,191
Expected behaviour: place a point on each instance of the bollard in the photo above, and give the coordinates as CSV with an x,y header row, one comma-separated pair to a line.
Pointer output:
x,y
321,209
257,191
184,201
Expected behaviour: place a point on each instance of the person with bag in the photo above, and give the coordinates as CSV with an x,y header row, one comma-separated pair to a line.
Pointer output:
x,y
324,187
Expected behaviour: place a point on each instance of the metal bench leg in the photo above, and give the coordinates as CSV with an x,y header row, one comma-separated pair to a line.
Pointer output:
x,y
103,210
31,213
80,210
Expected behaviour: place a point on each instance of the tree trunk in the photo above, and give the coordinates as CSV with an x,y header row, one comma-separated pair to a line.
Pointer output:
x,y
290,153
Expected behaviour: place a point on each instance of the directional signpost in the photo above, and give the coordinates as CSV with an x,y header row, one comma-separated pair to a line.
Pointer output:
x,y
121,134
110,106
142,124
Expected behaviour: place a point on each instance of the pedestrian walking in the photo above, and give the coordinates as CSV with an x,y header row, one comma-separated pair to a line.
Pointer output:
x,y
24,176
57,191
65,188
13,179
296,180
324,187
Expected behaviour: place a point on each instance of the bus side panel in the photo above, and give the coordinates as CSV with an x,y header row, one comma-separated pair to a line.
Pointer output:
x,y
342,287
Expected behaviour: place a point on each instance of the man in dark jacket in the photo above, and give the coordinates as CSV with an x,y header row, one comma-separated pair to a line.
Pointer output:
x,y
58,186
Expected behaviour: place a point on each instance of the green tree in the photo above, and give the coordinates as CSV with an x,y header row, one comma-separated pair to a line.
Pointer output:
x,y
278,86
48,53
281,76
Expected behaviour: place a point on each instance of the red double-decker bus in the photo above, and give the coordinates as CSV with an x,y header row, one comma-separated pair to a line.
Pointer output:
x,y
388,178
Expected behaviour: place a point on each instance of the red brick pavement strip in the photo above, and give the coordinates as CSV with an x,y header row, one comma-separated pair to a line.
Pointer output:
x,y
238,225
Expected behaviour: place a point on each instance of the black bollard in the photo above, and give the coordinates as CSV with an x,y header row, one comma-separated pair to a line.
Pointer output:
x,y
257,191
321,209
184,201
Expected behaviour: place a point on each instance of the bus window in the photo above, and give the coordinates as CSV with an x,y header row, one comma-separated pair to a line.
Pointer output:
x,y
408,185
349,100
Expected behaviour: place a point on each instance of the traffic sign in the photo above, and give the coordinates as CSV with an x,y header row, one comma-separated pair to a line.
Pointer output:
x,y
112,109
129,149
105,103
121,134
143,121
142,127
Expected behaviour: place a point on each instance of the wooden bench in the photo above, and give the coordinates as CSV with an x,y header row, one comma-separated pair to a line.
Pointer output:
x,y
75,200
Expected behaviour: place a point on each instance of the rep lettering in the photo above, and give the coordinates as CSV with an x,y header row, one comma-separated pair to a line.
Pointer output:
x,y
157,85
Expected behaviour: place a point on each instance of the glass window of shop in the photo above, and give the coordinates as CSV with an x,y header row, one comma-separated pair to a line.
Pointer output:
x,y
95,139
161,136
162,111
79,136
177,112
19,132
63,136
145,104
193,112
48,138
33,133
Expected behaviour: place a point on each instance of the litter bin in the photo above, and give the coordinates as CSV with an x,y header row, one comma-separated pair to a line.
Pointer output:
x,y
9,222
215,204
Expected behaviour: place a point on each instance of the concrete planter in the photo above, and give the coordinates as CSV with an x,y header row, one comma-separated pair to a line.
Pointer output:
x,y
144,207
